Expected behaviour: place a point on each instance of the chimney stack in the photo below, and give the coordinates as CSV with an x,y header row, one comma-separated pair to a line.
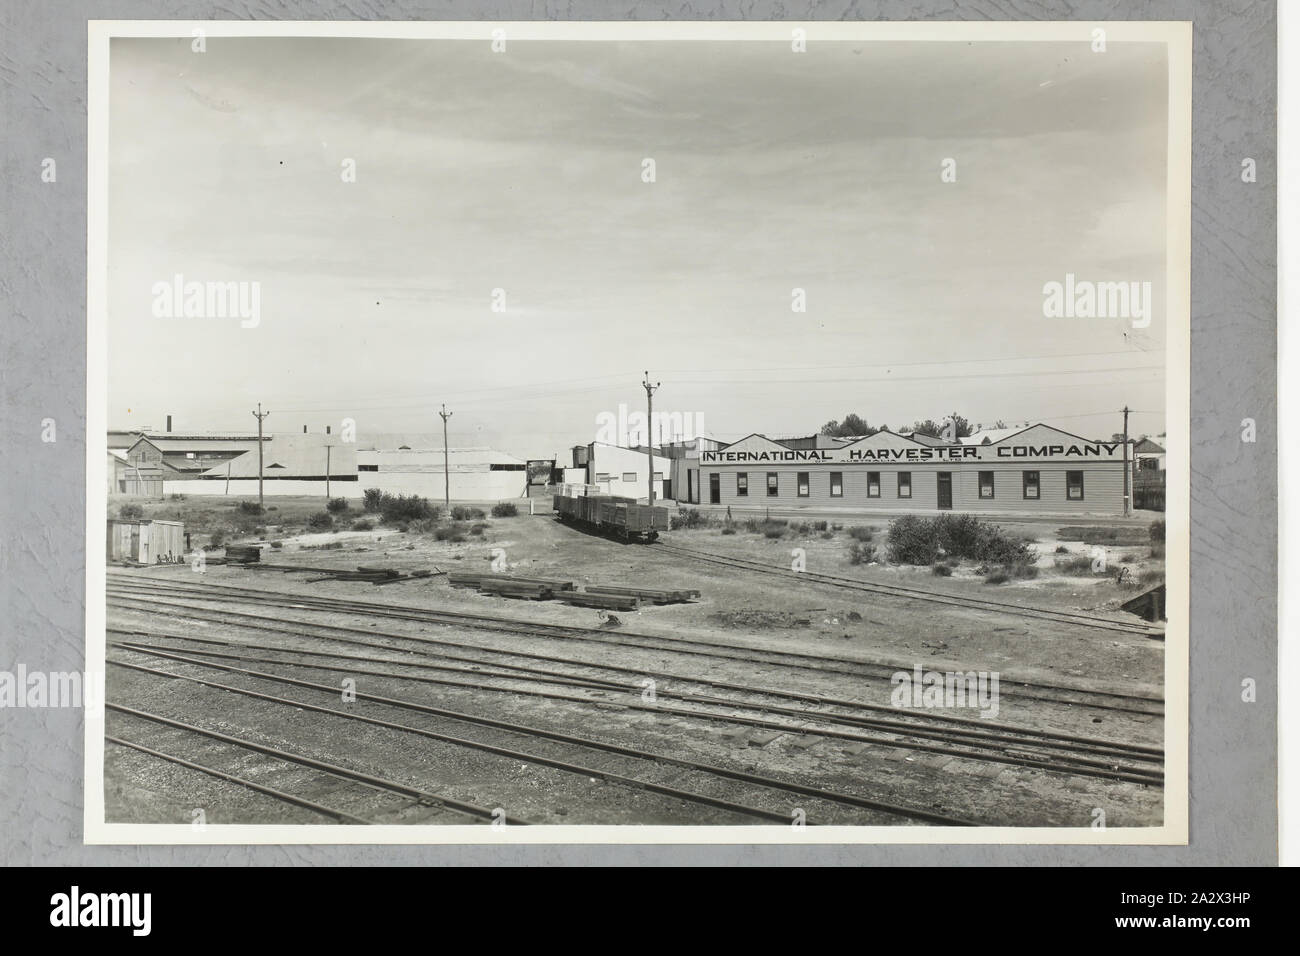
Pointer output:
x,y
169,423
304,429
327,429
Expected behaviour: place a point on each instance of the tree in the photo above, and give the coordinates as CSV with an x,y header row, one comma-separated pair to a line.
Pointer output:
x,y
937,429
853,425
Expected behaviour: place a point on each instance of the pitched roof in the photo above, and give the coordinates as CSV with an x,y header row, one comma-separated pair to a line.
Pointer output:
x,y
291,455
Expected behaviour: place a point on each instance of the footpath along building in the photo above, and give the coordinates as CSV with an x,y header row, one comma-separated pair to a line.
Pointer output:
x,y
1038,469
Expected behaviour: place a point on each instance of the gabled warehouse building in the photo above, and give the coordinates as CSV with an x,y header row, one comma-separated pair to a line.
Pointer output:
x,y
1038,469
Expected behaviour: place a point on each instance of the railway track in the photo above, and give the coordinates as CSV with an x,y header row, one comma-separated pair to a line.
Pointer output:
x,y
915,594
281,760
130,587
1022,748
826,717
774,787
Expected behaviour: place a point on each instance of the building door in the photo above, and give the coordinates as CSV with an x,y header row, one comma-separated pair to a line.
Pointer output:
x,y
945,489
715,488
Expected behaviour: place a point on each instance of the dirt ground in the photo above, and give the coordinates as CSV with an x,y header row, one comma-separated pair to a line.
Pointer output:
x,y
738,608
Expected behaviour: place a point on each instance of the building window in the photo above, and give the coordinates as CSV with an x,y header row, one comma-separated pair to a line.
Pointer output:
x,y
659,476
803,484
771,484
367,467
986,484
629,476
602,476
837,484
904,484
742,484
1031,485
1074,485
873,484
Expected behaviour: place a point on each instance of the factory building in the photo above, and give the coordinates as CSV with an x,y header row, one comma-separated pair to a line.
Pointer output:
x,y
1037,469
624,472
472,474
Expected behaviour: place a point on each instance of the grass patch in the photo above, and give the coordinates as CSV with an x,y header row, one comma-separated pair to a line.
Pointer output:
x,y
1091,534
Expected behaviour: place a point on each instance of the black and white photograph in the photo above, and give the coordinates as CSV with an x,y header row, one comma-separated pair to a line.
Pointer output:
x,y
638,431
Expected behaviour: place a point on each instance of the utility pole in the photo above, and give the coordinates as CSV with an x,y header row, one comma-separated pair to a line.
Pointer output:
x,y
259,415
327,471
1126,476
649,418
446,466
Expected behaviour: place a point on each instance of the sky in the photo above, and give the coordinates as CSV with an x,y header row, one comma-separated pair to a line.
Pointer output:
x,y
522,171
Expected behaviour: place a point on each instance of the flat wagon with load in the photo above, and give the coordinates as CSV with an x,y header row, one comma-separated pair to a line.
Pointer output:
x,y
610,514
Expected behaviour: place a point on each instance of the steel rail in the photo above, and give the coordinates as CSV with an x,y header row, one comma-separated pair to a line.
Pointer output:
x,y
1064,764
991,733
288,601
902,591
232,778
518,729
346,773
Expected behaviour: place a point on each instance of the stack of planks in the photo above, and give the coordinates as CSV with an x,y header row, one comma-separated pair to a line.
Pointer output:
x,y
649,595
362,573
608,597
243,554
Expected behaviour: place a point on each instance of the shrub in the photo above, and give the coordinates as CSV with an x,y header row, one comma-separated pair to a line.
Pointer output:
x,y
687,518
941,570
217,539
259,531
400,509
819,525
1158,551
460,513
773,532
728,530
1062,549
1157,530
1079,564
422,526
477,528
916,540
363,525
337,505
504,509
130,512
277,545
827,535
860,553
454,532
250,508
176,497
321,521
997,577
861,532
371,499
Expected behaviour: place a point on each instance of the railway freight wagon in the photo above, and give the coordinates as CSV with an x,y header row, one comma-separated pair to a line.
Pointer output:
x,y
622,517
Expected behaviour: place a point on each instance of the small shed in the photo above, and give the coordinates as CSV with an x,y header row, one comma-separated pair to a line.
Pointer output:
x,y
146,541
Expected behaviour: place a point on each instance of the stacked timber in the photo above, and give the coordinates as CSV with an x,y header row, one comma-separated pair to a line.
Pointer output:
x,y
612,602
650,595
243,554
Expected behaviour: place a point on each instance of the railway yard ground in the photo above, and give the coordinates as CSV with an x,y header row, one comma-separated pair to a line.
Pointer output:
x,y
275,693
